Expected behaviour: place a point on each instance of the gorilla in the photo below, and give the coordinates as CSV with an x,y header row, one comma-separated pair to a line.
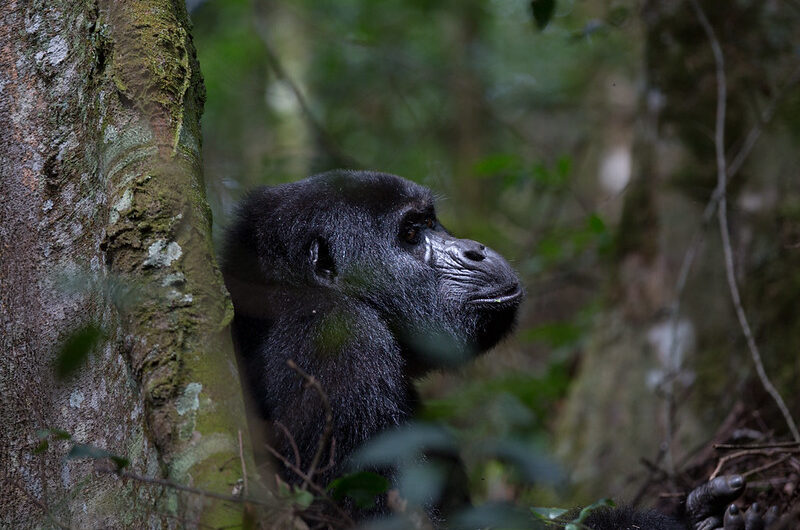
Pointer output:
x,y
350,276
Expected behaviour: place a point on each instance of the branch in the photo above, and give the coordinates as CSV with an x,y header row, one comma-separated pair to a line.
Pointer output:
x,y
711,207
311,381
311,484
756,446
762,452
109,469
291,441
766,466
244,468
722,215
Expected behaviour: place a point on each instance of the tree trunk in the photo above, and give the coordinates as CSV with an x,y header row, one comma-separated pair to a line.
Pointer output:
x,y
104,225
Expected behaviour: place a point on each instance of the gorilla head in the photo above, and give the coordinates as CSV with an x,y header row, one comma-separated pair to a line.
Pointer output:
x,y
350,275
371,240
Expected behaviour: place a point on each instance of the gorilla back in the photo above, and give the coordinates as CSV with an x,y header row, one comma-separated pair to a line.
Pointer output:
x,y
350,275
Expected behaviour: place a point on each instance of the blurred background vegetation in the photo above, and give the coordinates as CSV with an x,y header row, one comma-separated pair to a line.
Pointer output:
x,y
576,138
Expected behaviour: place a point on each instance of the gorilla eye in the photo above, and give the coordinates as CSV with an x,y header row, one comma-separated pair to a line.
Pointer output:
x,y
411,234
429,222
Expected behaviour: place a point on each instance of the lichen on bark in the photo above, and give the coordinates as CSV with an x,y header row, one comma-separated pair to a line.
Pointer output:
x,y
102,182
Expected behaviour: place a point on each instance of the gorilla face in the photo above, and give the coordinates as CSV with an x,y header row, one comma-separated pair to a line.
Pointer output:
x,y
474,293
444,298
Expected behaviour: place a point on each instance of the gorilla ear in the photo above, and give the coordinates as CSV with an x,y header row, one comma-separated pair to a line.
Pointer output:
x,y
319,254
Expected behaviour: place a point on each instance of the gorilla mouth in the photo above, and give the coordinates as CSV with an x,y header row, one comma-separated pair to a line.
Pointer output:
x,y
504,296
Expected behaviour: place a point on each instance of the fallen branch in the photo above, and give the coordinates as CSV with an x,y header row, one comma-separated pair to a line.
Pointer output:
x,y
766,466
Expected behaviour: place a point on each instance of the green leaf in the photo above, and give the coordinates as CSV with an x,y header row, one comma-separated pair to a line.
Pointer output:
x,y
548,514
43,434
555,178
76,349
596,224
61,434
96,453
362,487
302,498
497,163
542,12
555,334
87,451
564,167
120,461
602,503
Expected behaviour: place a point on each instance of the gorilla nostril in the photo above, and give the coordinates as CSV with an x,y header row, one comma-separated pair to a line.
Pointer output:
x,y
474,255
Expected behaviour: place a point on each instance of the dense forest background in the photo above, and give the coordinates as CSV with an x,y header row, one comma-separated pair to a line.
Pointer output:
x,y
578,139
636,161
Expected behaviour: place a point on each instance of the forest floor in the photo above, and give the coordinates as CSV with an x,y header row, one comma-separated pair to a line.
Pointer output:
x,y
746,445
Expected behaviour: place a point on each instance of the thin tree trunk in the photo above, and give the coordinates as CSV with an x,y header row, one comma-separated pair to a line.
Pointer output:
x,y
104,222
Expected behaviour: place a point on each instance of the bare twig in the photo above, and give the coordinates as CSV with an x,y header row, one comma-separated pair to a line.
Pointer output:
x,y
107,468
757,446
312,382
331,459
722,215
711,207
749,452
311,484
766,466
244,468
290,439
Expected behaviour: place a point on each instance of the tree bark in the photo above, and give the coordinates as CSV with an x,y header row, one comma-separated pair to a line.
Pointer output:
x,y
104,222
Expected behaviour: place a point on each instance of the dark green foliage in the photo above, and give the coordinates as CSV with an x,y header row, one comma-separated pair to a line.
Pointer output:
x,y
295,495
44,436
542,12
76,348
79,451
362,487
561,518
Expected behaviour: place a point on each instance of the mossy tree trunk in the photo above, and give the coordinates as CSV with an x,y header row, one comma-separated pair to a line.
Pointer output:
x,y
104,224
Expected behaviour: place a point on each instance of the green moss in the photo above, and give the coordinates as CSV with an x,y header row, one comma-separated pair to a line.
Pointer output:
x,y
333,333
154,64
151,69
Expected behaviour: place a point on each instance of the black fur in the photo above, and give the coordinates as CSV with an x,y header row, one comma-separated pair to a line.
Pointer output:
x,y
629,519
350,275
